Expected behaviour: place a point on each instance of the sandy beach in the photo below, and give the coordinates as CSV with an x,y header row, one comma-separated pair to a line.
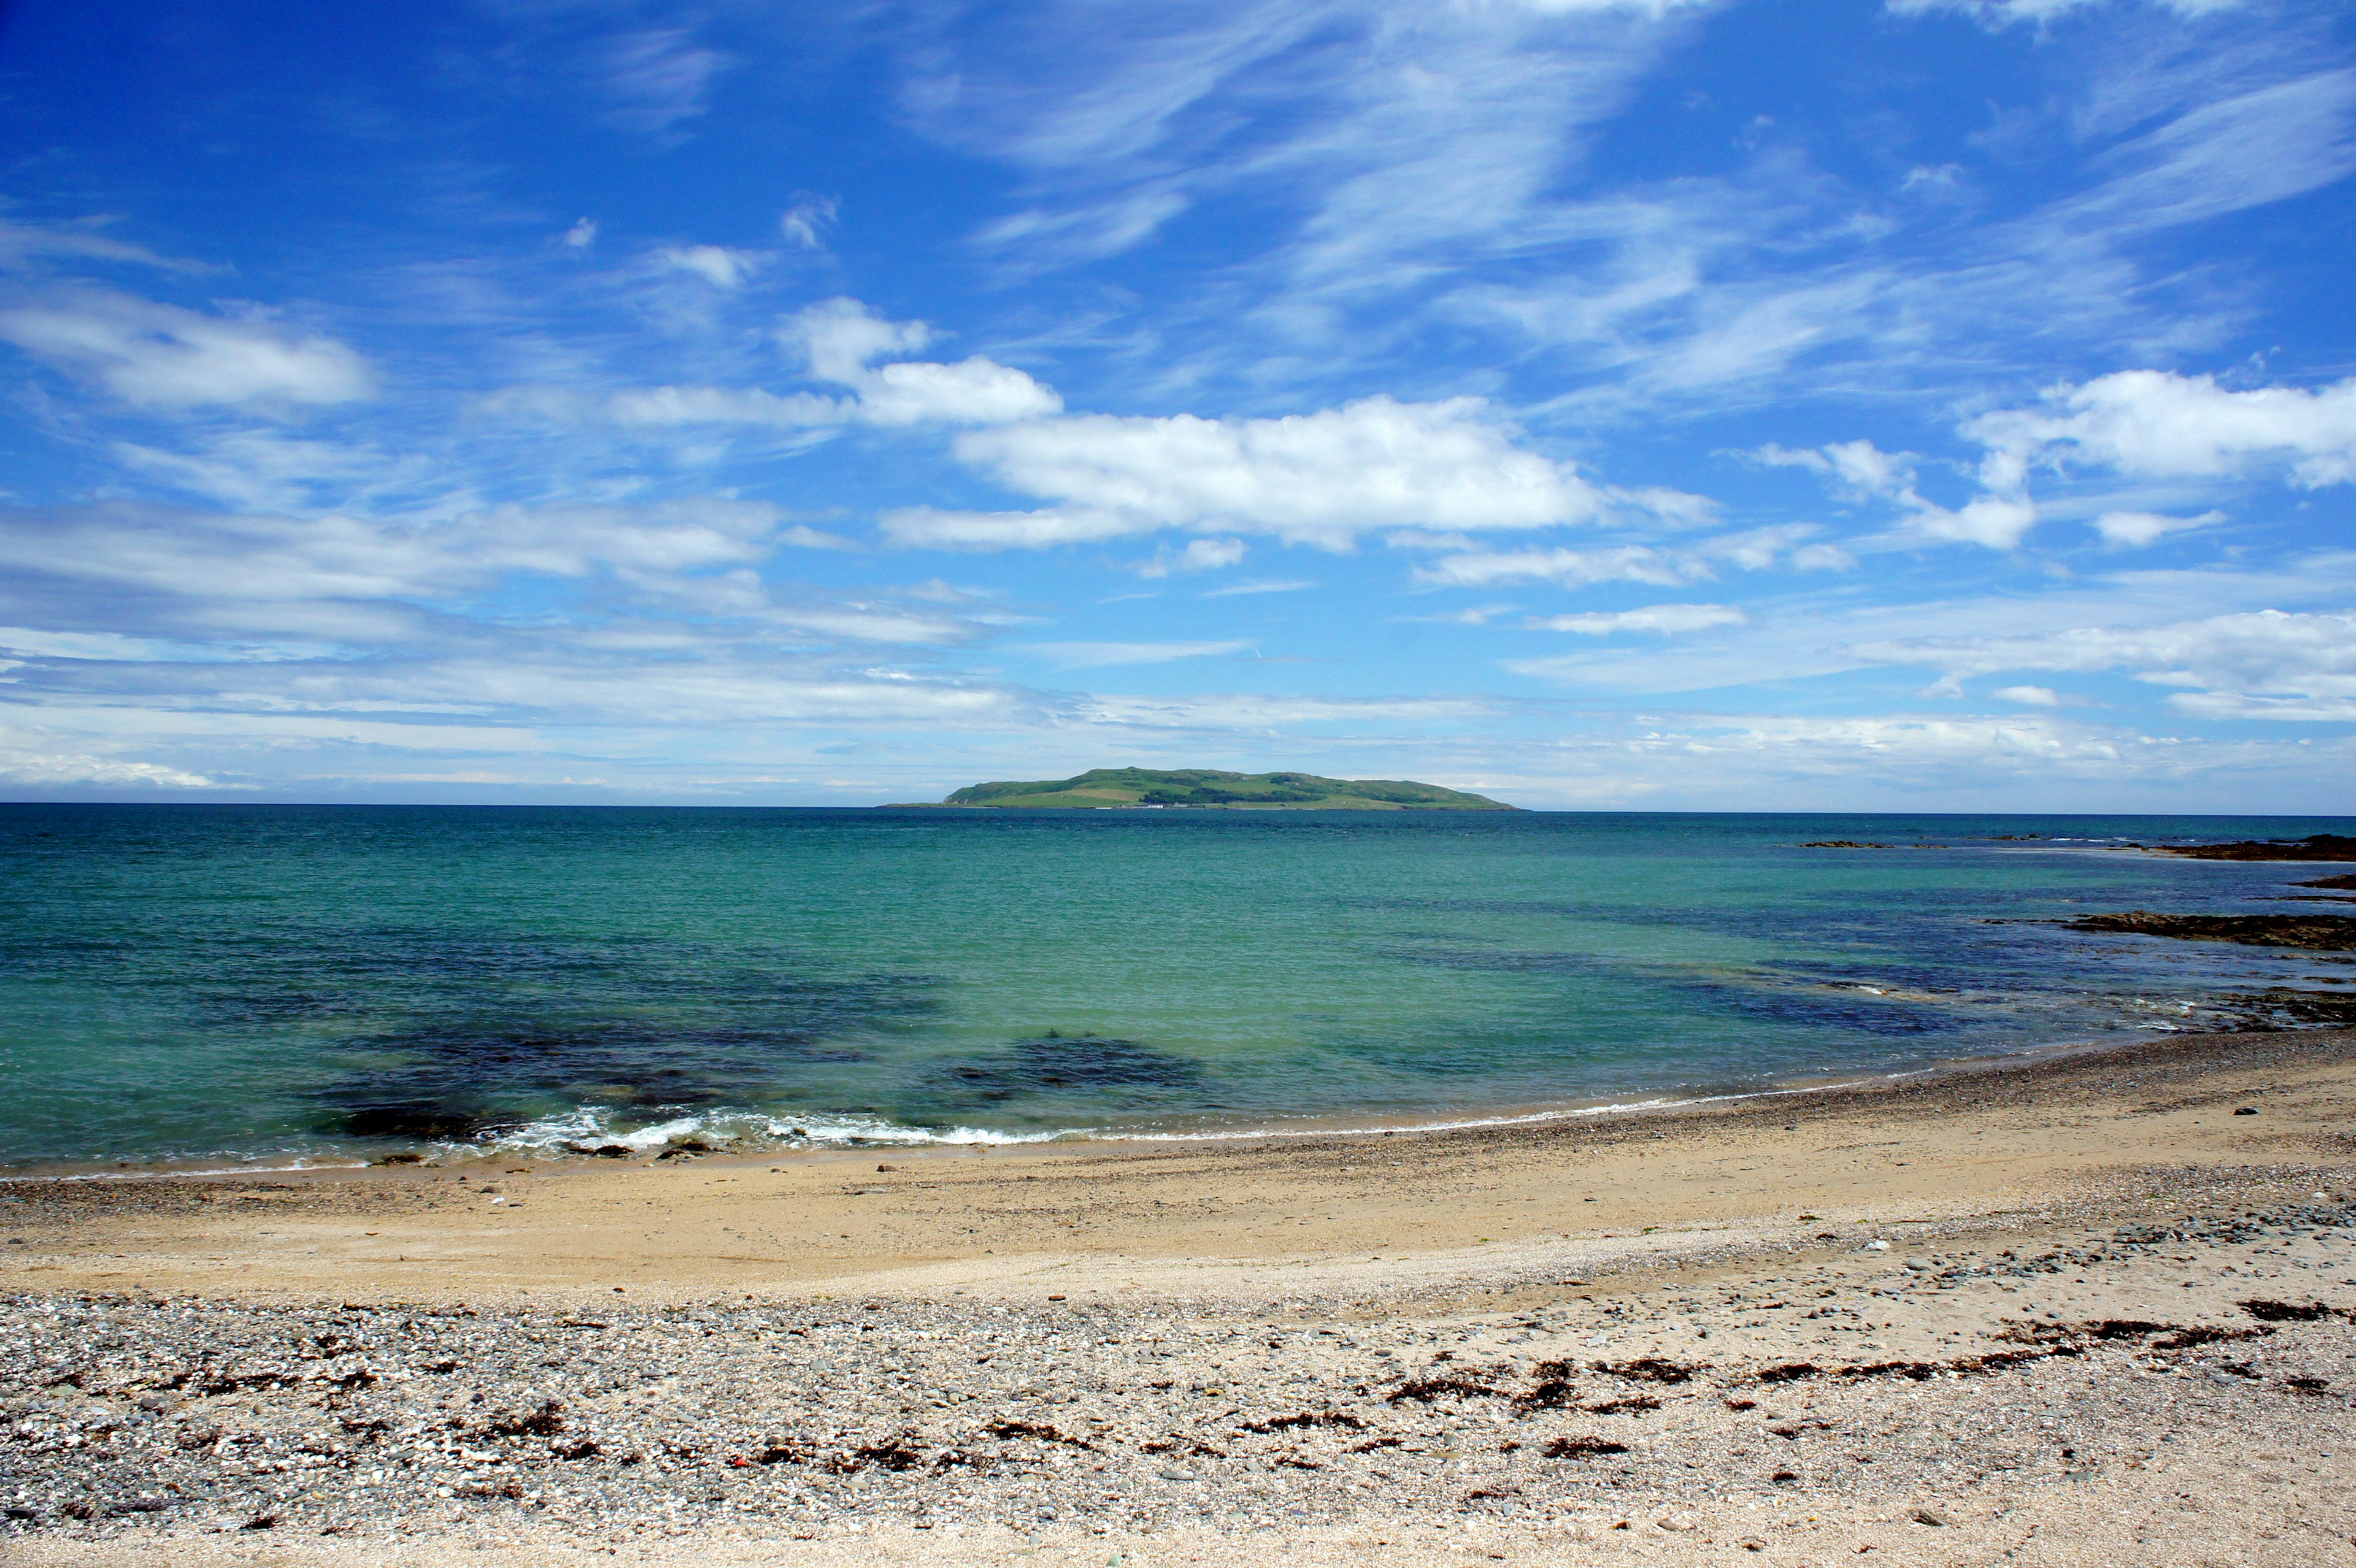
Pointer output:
x,y
2088,1308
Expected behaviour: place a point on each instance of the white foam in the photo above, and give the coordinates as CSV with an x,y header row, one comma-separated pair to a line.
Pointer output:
x,y
593,1127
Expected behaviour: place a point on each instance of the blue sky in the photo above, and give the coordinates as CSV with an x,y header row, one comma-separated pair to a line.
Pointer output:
x,y
1933,404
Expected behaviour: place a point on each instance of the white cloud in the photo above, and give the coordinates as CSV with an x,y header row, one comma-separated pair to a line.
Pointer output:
x,y
346,577
1319,478
2265,665
581,235
838,338
2029,696
2134,529
23,766
876,622
804,223
971,391
1996,15
264,470
163,356
656,77
1260,585
1667,620
1856,466
1999,522
1999,519
1097,656
1200,555
2156,423
721,266
928,527
1570,568
22,243
842,338
1753,551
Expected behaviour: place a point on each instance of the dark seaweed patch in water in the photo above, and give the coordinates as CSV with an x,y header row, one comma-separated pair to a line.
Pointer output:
x,y
424,1122
450,1036
1822,1007
1060,1065
1489,961
454,1079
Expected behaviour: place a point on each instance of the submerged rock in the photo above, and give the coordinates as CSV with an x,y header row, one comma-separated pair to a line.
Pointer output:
x,y
2314,847
2324,933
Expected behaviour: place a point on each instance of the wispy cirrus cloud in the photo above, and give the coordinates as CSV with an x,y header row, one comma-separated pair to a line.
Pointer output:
x,y
1664,620
654,77
157,356
1103,656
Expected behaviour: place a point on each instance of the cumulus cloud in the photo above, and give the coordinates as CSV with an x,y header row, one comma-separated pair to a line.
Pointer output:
x,y
163,356
721,266
1199,555
841,338
2029,696
1858,467
838,340
581,235
1319,478
1999,520
2158,424
2151,424
1667,620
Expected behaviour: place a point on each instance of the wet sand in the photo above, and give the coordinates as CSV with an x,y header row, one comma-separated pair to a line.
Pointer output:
x,y
2020,1294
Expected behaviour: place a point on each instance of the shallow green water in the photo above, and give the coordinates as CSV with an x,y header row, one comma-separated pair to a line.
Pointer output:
x,y
260,982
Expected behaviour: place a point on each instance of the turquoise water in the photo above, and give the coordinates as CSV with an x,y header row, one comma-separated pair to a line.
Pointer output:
x,y
265,982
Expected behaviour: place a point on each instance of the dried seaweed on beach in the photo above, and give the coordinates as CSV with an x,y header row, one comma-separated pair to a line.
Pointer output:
x,y
1306,1419
2294,1312
1423,1390
1582,1448
1038,1429
1649,1369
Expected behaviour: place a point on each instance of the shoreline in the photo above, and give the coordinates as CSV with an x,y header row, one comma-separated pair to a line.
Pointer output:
x,y
2086,1310
1367,1125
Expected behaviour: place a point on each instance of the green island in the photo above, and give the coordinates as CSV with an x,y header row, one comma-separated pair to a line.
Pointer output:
x,y
1149,788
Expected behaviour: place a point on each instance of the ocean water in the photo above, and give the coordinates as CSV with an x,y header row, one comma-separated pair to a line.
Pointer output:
x,y
234,984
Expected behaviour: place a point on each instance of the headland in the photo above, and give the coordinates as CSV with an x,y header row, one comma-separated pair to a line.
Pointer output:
x,y
1199,789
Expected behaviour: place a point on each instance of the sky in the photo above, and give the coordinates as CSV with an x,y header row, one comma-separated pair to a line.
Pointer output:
x,y
1599,404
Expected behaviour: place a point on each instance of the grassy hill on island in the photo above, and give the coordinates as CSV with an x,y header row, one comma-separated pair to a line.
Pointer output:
x,y
1146,787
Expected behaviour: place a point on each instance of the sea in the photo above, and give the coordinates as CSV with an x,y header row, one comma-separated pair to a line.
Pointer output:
x,y
231,986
